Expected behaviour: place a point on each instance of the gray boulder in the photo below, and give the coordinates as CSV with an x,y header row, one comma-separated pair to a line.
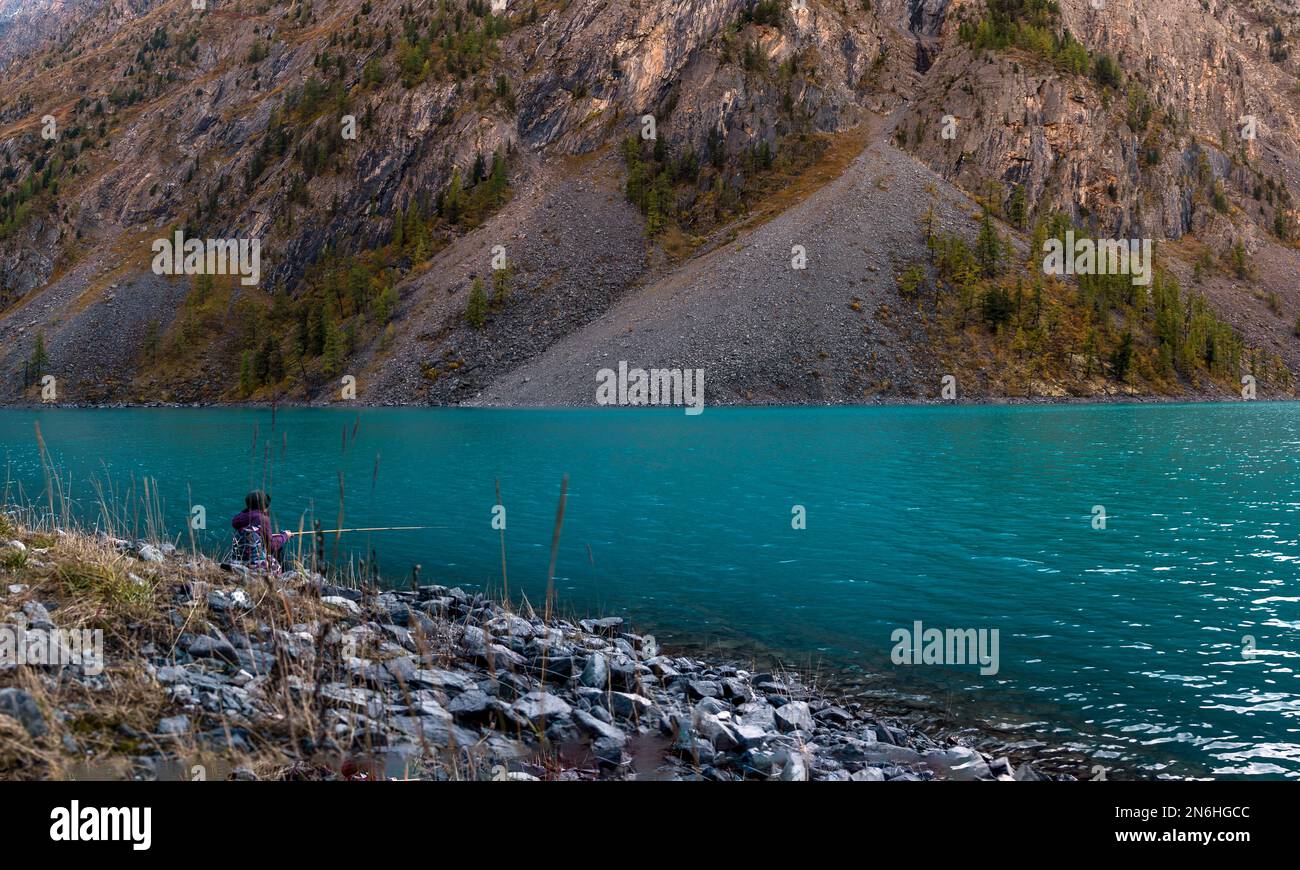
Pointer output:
x,y
867,774
751,735
437,678
958,763
793,766
338,602
22,706
210,647
717,732
150,553
595,673
794,716
758,713
537,706
736,690
704,689
628,705
38,617
174,725
471,704
887,752
598,729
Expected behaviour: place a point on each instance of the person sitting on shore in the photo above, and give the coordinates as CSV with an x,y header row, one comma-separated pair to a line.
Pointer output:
x,y
256,546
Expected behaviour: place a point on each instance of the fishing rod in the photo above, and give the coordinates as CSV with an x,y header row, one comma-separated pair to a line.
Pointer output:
x,y
371,529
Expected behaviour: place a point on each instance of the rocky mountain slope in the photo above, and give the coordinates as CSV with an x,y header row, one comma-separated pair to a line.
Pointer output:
x,y
390,156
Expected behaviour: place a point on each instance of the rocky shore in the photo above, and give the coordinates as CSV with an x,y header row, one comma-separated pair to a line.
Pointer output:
x,y
218,673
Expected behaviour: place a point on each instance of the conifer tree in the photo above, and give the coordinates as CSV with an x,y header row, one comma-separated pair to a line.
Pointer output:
x,y
275,364
500,287
333,350
40,358
476,309
247,377
988,247
1122,356
452,201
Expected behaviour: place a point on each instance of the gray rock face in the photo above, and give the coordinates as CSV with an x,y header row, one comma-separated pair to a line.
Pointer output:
x,y
582,73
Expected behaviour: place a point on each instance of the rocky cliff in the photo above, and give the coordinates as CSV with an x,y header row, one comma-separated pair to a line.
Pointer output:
x,y
456,204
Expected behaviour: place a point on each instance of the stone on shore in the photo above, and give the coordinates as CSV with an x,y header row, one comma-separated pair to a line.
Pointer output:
x,y
595,673
22,706
211,647
794,716
150,553
338,602
174,725
439,681
539,706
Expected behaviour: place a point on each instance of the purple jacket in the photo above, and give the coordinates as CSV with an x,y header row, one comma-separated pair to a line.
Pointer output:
x,y
272,541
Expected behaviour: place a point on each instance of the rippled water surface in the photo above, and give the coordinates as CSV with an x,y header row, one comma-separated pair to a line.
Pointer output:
x,y
1130,641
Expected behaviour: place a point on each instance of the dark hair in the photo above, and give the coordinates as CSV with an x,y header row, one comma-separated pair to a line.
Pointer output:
x,y
257,500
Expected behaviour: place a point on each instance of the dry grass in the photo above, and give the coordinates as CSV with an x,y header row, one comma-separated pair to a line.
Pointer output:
x,y
100,726
783,191
97,725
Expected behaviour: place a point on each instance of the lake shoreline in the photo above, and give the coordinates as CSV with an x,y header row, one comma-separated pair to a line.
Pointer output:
x,y
979,402
976,723
296,678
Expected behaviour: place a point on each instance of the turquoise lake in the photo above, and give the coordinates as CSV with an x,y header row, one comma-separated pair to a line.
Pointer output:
x,y
1166,641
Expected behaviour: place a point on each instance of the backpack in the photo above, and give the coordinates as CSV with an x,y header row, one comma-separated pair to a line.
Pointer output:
x,y
249,550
